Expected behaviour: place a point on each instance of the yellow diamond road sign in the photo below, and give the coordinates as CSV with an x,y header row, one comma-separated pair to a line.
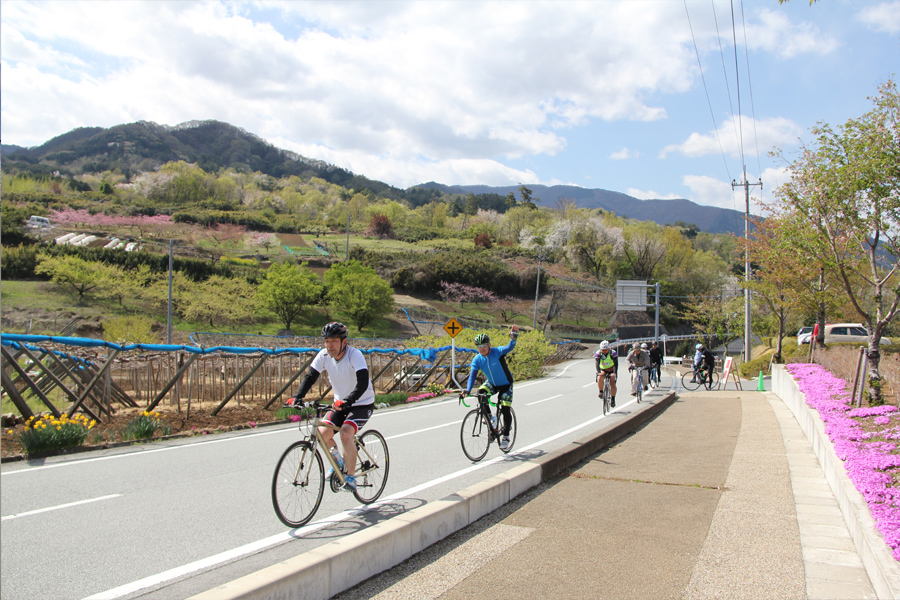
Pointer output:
x,y
453,327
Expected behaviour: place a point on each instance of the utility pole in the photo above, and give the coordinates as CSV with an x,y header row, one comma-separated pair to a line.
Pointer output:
x,y
169,309
347,259
746,185
537,288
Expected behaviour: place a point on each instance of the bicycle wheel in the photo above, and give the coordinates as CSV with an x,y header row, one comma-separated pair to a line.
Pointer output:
x,y
687,384
607,398
373,466
640,387
475,435
712,380
298,484
512,431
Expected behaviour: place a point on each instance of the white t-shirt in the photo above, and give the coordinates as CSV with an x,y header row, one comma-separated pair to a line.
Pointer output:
x,y
342,374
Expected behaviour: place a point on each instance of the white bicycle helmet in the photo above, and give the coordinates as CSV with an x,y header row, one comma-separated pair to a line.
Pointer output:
x,y
699,346
643,346
604,345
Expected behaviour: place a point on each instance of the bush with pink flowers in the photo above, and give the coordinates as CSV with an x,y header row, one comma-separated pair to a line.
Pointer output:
x,y
865,439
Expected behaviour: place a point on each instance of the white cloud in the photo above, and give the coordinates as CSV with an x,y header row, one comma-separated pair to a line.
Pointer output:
x,y
883,17
444,80
775,33
624,154
768,133
651,195
710,191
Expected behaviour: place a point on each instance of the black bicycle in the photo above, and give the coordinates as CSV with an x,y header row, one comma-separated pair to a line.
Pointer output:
x,y
606,394
654,376
299,479
480,427
704,377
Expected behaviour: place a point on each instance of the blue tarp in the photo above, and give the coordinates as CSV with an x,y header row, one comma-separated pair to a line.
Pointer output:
x,y
7,339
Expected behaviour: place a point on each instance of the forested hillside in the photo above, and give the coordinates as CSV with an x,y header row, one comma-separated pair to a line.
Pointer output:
x,y
213,146
473,255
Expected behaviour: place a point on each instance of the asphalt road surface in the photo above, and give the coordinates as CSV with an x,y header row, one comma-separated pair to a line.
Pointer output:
x,y
174,518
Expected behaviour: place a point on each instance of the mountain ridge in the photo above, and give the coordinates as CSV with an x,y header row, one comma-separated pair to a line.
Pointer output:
x,y
213,145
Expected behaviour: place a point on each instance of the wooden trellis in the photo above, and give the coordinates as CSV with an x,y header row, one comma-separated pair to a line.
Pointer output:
x,y
99,382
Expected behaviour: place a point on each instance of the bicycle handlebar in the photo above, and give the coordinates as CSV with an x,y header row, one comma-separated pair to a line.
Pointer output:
x,y
462,399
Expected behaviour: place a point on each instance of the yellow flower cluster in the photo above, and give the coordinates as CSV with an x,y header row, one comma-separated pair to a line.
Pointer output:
x,y
42,422
151,414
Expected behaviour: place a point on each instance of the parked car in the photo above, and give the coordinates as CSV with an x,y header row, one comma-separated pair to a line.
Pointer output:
x,y
803,335
838,333
36,222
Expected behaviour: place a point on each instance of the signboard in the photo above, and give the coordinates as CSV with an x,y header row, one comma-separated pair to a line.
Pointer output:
x,y
725,371
631,295
453,328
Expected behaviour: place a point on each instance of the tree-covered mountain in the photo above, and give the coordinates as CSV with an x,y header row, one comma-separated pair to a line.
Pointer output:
x,y
664,212
143,146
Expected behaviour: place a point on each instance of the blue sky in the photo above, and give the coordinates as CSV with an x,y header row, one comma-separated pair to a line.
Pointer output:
x,y
600,94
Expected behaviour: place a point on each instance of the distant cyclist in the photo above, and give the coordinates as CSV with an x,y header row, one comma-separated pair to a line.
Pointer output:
x,y
354,397
638,357
656,358
704,362
698,361
492,362
607,363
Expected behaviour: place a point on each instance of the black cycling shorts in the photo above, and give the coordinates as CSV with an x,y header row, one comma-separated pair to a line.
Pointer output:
x,y
357,416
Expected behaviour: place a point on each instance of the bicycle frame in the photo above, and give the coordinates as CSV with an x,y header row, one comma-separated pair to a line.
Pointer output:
x,y
326,451
484,407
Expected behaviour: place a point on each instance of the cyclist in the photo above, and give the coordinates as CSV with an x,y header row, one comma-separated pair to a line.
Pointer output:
x,y
492,362
638,357
354,396
698,361
704,362
607,363
656,358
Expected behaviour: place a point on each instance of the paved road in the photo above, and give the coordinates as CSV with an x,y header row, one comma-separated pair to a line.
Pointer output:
x,y
719,497
183,516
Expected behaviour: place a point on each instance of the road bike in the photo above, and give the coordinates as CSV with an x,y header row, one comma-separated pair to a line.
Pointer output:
x,y
654,376
299,479
606,394
638,379
705,378
480,427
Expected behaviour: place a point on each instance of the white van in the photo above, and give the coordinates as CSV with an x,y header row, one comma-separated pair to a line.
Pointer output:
x,y
36,222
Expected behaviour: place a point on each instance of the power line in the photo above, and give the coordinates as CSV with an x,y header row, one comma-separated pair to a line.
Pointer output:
x,y
706,89
737,81
750,89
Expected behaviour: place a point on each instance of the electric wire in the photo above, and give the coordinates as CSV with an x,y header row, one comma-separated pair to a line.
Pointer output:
x,y
706,90
737,80
750,90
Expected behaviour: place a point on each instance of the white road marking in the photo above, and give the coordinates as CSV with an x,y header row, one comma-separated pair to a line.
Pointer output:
x,y
544,400
262,544
143,452
61,506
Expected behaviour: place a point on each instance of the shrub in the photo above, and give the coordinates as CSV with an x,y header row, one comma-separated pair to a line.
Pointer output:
x,y
286,413
145,426
46,434
391,399
19,262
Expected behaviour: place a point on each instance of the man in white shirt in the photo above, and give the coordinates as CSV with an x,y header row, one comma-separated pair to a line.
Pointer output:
x,y
354,396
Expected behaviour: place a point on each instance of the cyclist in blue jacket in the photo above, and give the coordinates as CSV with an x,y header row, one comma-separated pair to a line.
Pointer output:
x,y
492,362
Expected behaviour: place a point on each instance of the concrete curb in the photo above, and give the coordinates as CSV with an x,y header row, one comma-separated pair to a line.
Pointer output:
x,y
883,570
339,565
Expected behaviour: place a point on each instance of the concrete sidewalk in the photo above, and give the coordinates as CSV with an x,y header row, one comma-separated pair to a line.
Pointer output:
x,y
720,496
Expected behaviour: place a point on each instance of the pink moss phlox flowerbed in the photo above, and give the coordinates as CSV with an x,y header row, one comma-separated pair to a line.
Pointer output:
x,y
868,455
424,396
